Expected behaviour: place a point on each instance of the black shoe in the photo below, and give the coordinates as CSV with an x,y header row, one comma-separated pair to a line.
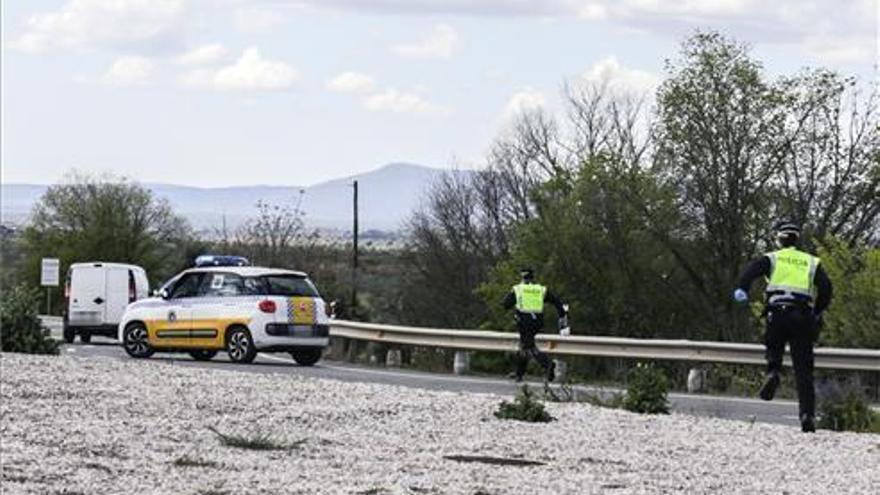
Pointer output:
x,y
808,424
515,377
551,372
768,390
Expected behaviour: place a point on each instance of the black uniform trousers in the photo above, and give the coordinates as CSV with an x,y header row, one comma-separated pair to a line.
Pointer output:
x,y
796,326
528,325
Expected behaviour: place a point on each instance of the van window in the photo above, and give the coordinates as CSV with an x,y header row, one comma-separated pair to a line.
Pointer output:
x,y
289,285
186,286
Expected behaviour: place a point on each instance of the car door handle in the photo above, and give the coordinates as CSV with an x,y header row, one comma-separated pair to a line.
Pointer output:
x,y
98,300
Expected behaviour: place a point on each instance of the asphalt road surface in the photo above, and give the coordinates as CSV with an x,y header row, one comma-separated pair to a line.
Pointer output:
x,y
745,409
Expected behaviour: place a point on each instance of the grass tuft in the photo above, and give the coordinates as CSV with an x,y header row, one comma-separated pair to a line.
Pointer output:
x,y
524,408
187,461
255,441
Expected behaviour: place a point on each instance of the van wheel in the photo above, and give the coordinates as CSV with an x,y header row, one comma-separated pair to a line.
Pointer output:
x,y
240,345
85,337
306,356
135,341
202,355
68,333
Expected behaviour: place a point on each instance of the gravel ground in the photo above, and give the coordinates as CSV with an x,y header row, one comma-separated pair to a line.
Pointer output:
x,y
108,426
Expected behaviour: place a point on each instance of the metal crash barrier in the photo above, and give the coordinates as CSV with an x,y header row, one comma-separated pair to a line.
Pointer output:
x,y
673,350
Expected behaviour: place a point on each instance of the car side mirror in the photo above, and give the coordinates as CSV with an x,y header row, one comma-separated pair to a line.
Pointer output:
x,y
163,293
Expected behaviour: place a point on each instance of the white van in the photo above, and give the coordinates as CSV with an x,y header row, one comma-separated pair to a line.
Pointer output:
x,y
96,295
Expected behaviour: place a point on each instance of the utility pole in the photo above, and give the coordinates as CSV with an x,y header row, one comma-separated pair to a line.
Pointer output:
x,y
354,257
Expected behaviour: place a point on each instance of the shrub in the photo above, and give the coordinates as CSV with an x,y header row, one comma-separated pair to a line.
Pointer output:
x,y
848,411
524,408
20,328
646,391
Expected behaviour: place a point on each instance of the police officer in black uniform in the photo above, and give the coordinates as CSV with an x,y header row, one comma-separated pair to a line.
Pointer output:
x,y
529,297
798,291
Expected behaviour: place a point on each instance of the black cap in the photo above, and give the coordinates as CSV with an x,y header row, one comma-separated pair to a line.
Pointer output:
x,y
527,273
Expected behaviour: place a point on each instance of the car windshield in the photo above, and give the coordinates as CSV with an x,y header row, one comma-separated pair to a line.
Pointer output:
x,y
289,285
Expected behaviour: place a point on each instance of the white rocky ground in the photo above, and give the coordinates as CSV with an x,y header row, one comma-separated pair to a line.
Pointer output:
x,y
107,426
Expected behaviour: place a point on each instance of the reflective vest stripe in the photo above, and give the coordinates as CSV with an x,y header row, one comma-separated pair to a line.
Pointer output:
x,y
529,297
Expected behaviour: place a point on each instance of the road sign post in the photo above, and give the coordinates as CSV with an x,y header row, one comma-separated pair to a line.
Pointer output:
x,y
49,277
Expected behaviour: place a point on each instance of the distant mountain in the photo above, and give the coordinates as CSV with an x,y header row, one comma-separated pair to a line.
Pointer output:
x,y
387,196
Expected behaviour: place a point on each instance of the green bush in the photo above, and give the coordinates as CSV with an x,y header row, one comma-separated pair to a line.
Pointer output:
x,y
646,391
855,271
524,408
20,328
848,411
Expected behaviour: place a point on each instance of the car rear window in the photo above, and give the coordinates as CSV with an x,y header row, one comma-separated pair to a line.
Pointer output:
x,y
289,285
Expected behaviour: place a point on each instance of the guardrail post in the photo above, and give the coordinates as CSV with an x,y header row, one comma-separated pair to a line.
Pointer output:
x,y
461,365
697,381
561,370
393,358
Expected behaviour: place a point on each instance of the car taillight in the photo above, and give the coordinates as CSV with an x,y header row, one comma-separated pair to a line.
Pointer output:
x,y
132,291
267,306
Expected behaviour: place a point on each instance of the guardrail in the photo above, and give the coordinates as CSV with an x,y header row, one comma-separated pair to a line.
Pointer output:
x,y
674,350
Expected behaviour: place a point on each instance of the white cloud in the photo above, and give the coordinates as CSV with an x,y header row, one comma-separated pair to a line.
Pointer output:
x,y
675,8
441,42
524,101
87,23
609,71
205,54
780,22
449,7
392,100
840,49
351,82
251,72
256,19
130,70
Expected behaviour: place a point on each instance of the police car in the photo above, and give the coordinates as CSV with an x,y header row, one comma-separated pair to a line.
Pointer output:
x,y
240,309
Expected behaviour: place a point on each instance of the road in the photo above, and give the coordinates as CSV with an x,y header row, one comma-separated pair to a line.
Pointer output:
x,y
745,409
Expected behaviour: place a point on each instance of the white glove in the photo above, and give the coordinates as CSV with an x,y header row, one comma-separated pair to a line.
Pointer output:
x,y
740,295
565,331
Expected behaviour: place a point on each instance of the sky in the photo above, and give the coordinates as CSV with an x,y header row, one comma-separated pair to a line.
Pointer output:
x,y
294,92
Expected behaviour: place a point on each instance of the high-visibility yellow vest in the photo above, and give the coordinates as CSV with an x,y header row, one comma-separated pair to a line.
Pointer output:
x,y
529,297
791,275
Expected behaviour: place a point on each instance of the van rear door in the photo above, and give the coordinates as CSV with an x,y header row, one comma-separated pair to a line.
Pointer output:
x,y
87,296
116,292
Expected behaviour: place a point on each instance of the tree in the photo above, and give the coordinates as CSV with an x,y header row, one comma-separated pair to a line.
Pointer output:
x,y
86,218
276,236
589,242
450,250
830,175
719,137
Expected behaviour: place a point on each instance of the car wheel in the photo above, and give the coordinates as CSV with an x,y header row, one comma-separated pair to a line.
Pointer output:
x,y
135,341
240,345
85,337
202,355
68,333
307,356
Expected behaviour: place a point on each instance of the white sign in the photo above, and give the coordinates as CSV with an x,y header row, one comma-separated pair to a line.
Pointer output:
x,y
49,272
